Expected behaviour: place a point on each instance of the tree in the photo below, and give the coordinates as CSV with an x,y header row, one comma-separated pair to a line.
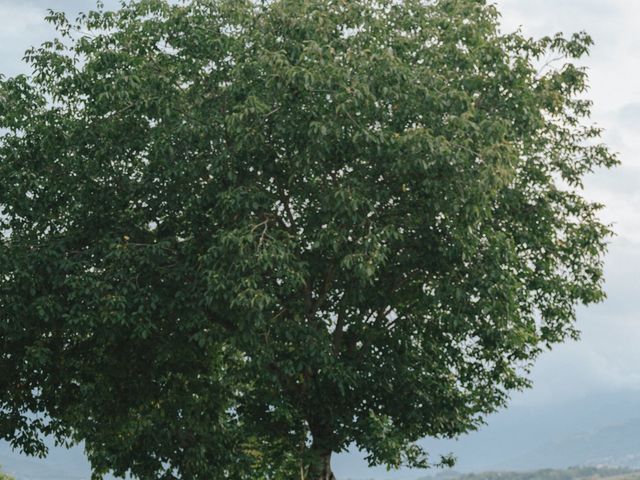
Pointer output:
x,y
239,236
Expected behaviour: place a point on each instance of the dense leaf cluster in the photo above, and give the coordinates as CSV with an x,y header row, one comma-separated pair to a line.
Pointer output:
x,y
238,236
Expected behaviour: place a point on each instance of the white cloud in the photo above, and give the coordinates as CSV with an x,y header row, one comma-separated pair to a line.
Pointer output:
x,y
22,26
18,20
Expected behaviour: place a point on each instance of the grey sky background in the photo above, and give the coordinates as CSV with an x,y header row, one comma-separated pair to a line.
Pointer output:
x,y
608,356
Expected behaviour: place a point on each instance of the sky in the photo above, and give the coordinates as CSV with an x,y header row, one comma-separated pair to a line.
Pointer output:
x,y
607,358
608,355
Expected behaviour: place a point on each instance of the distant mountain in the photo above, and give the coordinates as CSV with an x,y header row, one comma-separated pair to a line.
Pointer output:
x,y
531,438
616,445
580,473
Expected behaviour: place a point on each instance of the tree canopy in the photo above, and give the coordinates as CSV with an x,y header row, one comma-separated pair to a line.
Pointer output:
x,y
238,236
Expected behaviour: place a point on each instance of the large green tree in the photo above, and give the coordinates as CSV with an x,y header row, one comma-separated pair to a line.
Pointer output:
x,y
238,236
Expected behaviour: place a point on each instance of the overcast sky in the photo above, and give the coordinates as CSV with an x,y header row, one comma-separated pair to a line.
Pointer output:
x,y
608,356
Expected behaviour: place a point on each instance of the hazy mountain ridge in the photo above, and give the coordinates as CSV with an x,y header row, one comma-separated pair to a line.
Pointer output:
x,y
576,473
594,430
614,445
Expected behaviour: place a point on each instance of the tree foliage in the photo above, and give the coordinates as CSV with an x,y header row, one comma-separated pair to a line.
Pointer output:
x,y
239,236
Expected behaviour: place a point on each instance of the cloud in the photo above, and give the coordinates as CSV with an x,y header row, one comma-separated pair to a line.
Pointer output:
x,y
629,115
22,26
543,17
18,19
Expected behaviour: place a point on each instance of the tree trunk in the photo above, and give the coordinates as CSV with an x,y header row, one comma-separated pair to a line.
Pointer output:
x,y
321,449
320,468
